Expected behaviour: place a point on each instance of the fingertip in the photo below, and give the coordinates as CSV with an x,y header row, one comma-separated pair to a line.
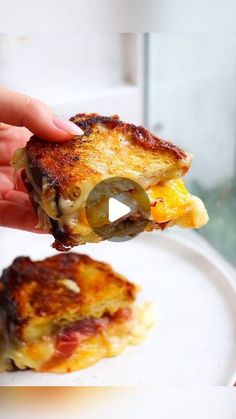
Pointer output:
x,y
67,126
41,121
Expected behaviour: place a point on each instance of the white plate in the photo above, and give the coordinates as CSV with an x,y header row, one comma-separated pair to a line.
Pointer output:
x,y
194,340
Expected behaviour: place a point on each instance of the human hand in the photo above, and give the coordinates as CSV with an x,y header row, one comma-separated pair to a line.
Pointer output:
x,y
20,116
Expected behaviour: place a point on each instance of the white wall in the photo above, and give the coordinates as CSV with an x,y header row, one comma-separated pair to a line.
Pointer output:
x,y
182,16
59,67
192,99
83,72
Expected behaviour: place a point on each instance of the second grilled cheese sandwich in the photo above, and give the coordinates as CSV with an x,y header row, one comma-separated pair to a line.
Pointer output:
x,y
65,313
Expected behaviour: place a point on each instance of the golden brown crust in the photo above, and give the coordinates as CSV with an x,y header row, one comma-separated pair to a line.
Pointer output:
x,y
38,292
138,134
63,163
57,162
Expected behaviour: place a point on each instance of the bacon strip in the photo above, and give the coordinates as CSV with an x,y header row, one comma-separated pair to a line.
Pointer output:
x,y
72,336
69,338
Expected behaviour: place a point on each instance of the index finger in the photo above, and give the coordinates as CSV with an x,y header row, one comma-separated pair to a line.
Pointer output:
x,y
23,111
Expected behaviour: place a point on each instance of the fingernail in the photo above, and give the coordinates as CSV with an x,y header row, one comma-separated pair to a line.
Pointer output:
x,y
67,126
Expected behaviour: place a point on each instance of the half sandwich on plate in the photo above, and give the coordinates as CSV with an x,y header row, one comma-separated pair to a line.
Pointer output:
x,y
66,313
60,177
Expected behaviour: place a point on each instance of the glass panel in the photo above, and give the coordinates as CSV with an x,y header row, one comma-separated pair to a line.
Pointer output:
x,y
191,98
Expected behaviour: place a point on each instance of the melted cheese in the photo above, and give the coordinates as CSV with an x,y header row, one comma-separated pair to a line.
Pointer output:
x,y
71,285
196,216
20,161
108,343
169,200
170,203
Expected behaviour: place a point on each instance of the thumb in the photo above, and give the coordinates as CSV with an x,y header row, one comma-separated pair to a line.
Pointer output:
x,y
21,110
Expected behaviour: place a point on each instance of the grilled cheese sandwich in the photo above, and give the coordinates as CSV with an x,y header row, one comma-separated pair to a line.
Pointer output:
x,y
66,313
60,177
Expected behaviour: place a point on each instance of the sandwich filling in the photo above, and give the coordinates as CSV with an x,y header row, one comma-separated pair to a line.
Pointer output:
x,y
170,203
79,344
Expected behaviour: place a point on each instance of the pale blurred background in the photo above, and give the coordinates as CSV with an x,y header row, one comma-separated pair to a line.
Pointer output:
x,y
183,87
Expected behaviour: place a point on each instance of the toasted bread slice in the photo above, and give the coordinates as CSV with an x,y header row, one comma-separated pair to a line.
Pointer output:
x,y
60,177
50,308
